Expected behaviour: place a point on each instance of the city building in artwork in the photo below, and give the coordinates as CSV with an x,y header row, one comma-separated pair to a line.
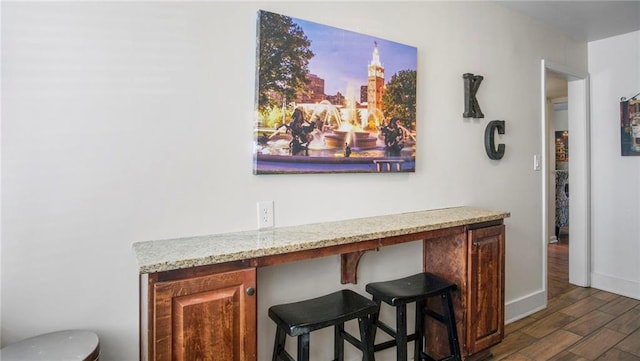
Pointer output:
x,y
337,99
375,82
315,90
363,94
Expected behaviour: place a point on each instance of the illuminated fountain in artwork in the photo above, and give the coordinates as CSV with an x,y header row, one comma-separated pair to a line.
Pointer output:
x,y
333,131
351,136
340,128
327,130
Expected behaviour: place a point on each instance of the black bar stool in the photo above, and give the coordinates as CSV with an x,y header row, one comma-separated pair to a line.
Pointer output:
x,y
301,318
416,288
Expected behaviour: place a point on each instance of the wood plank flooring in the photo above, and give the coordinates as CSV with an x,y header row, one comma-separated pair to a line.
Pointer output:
x,y
578,324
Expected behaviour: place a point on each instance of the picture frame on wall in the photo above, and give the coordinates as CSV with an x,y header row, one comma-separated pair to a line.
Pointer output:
x,y
330,100
562,146
630,127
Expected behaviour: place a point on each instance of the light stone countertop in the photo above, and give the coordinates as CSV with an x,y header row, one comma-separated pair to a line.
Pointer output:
x,y
171,254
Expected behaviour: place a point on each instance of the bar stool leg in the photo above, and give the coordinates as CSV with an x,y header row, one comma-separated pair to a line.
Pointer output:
x,y
366,332
303,347
338,342
419,342
280,339
401,332
374,320
447,307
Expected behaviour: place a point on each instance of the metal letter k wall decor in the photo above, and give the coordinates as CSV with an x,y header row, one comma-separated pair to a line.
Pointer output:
x,y
471,105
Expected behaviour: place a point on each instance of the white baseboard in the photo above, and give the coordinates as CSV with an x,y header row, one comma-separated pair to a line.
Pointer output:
x,y
525,306
537,301
628,288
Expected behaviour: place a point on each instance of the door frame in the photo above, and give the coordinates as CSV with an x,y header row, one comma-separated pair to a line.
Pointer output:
x,y
579,170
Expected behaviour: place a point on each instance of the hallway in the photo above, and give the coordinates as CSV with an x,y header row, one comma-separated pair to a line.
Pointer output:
x,y
578,323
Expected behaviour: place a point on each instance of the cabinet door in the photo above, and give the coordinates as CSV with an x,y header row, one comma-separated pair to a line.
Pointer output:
x,y
206,318
486,288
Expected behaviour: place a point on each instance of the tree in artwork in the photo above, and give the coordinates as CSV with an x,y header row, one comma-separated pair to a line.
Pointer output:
x,y
283,58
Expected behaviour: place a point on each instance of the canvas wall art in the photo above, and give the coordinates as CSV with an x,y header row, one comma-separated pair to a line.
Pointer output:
x,y
330,100
630,127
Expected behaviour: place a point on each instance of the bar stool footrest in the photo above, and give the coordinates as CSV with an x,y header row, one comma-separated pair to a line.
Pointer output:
x,y
435,315
391,343
285,356
352,340
387,329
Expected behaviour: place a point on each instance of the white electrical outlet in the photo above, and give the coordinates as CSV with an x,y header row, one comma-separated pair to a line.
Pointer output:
x,y
265,214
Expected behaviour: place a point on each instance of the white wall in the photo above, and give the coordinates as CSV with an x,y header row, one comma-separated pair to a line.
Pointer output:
x,y
125,122
615,73
1,184
560,116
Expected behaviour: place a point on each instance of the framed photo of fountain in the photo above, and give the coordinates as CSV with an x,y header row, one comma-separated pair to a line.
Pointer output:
x,y
330,100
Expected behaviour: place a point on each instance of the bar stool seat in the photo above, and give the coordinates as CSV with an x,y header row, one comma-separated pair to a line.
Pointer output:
x,y
68,345
415,288
299,319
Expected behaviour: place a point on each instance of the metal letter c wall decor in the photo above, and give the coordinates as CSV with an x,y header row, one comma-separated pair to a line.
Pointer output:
x,y
489,139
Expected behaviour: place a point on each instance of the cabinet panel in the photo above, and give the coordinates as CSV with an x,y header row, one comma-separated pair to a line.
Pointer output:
x,y
206,318
447,258
486,288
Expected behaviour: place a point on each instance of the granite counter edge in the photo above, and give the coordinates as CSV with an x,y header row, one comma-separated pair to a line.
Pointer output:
x,y
210,259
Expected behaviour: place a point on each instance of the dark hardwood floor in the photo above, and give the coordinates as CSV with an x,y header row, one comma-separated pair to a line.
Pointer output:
x,y
578,323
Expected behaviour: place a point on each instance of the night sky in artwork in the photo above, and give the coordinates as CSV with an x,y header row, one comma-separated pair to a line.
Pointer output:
x,y
341,57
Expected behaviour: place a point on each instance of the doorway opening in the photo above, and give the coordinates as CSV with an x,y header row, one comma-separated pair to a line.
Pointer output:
x,y
579,217
558,120
558,247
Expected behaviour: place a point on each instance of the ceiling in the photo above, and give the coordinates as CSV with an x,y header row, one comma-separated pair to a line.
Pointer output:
x,y
582,20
